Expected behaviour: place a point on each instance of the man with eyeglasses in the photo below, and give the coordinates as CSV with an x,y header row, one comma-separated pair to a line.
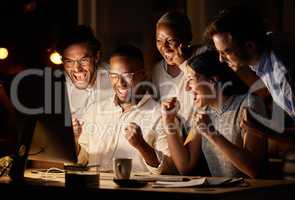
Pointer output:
x,y
86,77
240,37
128,125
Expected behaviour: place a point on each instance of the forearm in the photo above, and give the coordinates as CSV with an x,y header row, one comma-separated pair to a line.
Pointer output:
x,y
179,153
149,155
241,158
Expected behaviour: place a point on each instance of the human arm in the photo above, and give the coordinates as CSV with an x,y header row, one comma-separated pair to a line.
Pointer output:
x,y
247,158
186,157
134,136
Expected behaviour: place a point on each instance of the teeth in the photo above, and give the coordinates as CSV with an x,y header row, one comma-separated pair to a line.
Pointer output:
x,y
167,55
79,77
123,90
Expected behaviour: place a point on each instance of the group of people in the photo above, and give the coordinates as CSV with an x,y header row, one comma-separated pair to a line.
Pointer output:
x,y
196,103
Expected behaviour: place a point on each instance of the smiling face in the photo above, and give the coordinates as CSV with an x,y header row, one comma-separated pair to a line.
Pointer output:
x,y
167,42
229,52
202,89
79,64
125,75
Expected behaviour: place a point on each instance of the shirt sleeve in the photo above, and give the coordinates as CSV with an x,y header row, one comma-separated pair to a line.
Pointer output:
x,y
183,66
83,140
161,148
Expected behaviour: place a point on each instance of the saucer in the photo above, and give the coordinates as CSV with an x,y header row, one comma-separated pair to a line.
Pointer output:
x,y
129,182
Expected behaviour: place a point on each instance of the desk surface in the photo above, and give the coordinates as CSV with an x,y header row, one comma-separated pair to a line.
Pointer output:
x,y
256,189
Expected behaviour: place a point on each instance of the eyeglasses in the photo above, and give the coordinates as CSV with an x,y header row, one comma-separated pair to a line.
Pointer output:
x,y
128,77
85,61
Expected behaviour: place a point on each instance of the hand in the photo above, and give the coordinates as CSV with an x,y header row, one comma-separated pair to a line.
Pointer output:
x,y
169,109
134,135
77,127
203,124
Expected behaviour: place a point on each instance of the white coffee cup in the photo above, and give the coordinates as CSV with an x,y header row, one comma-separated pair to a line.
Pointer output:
x,y
122,168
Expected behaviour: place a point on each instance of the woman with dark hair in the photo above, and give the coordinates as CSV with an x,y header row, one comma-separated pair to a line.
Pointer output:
x,y
230,149
173,40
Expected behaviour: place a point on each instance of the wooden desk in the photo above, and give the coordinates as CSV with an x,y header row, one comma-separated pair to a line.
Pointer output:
x,y
257,189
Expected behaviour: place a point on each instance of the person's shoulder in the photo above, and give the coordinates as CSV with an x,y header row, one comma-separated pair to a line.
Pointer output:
x,y
159,67
152,106
248,98
101,106
102,71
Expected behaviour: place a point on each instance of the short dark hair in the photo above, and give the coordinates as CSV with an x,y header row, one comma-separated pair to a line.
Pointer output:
x,y
180,23
241,23
207,64
77,35
129,51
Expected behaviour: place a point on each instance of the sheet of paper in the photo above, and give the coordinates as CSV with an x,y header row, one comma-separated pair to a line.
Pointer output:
x,y
212,181
151,178
217,181
191,183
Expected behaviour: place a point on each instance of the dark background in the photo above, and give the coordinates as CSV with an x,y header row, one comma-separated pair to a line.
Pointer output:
x,y
30,28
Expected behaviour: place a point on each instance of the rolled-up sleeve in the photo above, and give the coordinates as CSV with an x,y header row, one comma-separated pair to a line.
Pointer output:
x,y
160,145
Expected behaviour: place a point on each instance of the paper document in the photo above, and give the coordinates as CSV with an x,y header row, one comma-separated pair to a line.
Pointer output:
x,y
151,178
191,183
212,181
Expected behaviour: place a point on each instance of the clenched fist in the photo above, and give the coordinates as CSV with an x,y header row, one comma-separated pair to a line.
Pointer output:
x,y
77,127
134,135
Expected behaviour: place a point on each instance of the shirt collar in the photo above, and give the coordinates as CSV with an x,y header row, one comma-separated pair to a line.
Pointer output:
x,y
142,101
165,67
263,65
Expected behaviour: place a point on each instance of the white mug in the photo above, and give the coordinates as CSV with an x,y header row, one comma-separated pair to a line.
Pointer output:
x,y
122,168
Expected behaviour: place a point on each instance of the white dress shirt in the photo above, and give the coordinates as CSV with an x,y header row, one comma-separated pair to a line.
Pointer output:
x,y
102,137
169,86
273,74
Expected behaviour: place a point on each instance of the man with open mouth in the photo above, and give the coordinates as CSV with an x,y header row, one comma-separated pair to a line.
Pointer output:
x,y
128,125
86,77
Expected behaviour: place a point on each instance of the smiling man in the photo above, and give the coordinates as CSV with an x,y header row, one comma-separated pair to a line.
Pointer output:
x,y
241,39
127,125
86,77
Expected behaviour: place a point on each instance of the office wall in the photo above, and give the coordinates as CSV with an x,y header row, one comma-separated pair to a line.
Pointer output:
x,y
129,21
279,14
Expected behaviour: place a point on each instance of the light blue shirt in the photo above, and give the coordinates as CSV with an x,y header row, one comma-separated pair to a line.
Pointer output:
x,y
273,73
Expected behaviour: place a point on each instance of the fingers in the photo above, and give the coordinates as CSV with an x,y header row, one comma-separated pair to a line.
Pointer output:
x,y
77,123
133,134
170,103
132,129
199,116
77,127
245,113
